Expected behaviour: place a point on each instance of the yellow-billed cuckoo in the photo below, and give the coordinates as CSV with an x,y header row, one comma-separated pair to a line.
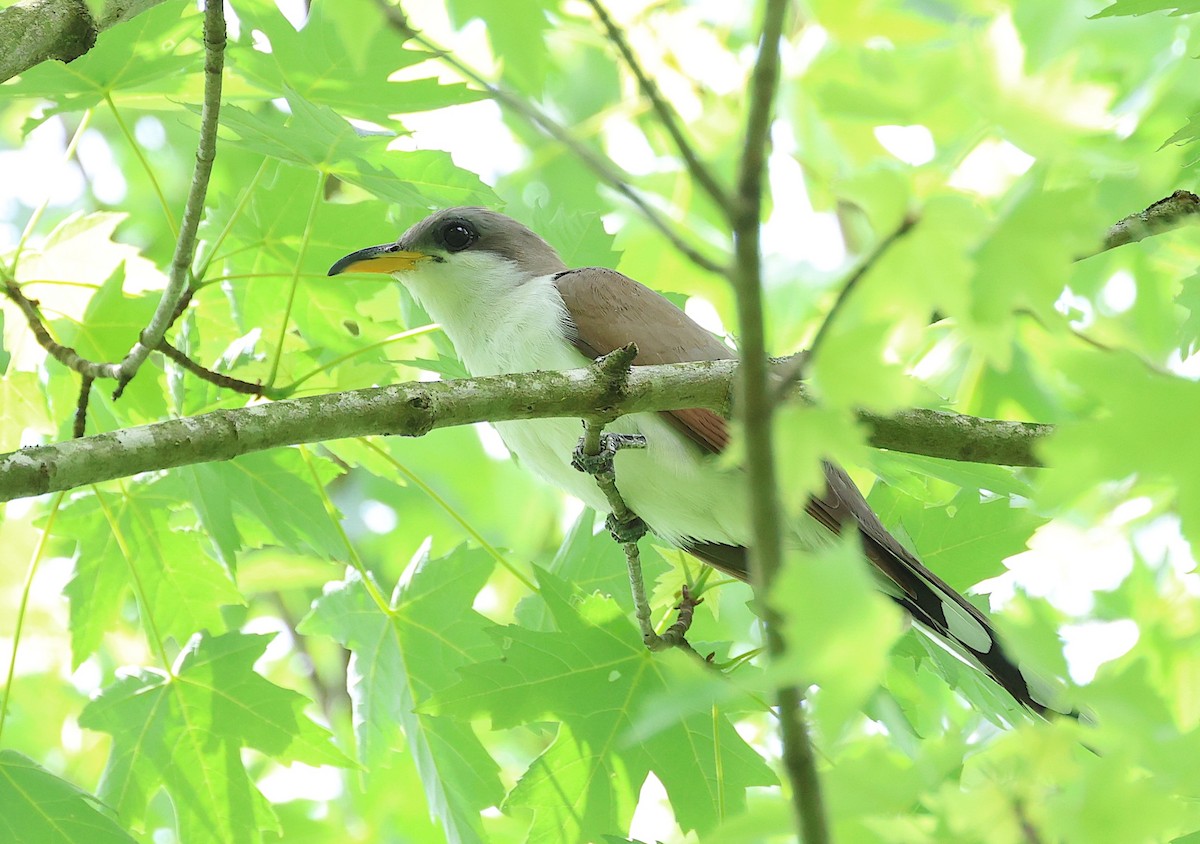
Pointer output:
x,y
509,304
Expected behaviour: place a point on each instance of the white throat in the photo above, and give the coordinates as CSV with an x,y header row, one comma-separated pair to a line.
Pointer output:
x,y
498,318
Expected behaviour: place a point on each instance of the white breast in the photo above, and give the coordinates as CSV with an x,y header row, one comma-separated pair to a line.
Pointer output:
x,y
508,324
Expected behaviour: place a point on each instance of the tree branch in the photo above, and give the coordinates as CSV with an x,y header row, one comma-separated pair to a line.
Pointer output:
x,y
666,116
745,275
852,283
185,247
79,428
414,409
595,455
952,436
1172,212
65,355
766,551
34,31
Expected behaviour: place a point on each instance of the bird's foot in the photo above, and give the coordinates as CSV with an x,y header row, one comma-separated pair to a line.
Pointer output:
x,y
627,530
610,444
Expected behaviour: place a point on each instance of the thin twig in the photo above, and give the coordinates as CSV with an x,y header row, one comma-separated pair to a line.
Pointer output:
x,y
221,380
800,762
1098,345
1028,831
852,283
746,277
758,404
65,355
698,169
81,406
600,165
595,455
36,217
185,247
329,696
797,365
182,304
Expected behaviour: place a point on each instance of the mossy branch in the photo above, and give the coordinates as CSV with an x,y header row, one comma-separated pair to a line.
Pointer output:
x,y
414,409
34,31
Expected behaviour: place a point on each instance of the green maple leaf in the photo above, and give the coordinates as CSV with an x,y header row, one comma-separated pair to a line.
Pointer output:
x,y
399,659
186,733
22,407
1022,263
126,539
337,60
579,239
838,628
40,808
594,675
1189,298
146,58
1129,434
315,137
1145,7
965,542
239,504
516,31
264,239
592,562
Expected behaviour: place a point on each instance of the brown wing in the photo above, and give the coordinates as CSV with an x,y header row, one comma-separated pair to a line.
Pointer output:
x,y
609,310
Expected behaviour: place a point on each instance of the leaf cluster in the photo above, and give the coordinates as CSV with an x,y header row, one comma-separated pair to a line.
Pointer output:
x,y
414,641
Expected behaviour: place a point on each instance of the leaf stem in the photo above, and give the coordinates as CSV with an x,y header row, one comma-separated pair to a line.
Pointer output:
x,y
36,216
428,328
305,237
416,481
26,588
597,163
202,271
157,643
352,552
137,152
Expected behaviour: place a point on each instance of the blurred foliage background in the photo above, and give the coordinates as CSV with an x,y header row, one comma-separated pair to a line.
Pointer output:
x,y
200,654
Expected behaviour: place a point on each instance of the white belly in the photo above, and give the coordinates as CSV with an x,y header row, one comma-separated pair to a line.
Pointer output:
x,y
676,490
517,326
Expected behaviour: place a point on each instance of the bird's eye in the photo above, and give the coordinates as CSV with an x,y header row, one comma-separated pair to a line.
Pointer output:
x,y
458,236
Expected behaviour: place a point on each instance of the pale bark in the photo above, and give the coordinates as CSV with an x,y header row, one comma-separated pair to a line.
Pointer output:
x,y
34,31
414,409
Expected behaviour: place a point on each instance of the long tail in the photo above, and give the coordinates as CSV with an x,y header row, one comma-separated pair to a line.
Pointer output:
x,y
926,597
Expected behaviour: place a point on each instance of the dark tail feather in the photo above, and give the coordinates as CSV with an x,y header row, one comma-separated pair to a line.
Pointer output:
x,y
927,598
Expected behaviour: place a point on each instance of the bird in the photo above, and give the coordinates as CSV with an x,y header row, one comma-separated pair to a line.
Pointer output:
x,y
509,304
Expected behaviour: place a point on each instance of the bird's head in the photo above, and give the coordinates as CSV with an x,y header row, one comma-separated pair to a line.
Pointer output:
x,y
458,243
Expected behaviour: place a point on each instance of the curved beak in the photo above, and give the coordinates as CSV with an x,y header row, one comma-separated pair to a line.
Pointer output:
x,y
388,258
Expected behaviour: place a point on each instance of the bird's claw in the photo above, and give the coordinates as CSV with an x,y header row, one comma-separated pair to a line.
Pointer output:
x,y
610,444
629,530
